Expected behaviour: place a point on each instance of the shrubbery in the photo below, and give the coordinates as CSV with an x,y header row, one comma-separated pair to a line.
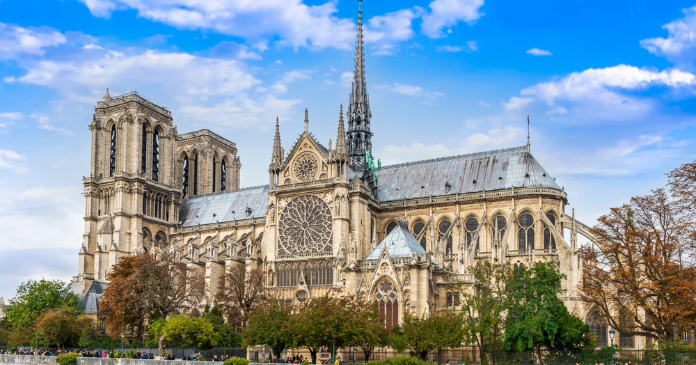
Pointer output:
x,y
400,360
67,359
236,361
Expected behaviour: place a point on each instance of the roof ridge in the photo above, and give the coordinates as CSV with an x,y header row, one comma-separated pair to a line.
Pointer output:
x,y
230,191
474,154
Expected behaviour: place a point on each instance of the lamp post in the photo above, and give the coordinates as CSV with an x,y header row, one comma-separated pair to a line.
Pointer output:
x,y
612,333
124,336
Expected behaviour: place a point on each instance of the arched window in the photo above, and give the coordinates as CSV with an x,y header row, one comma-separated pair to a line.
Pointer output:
x,y
195,176
387,303
626,321
186,174
598,326
143,161
549,240
444,228
470,227
112,162
525,236
417,228
223,176
155,156
214,165
499,224
390,227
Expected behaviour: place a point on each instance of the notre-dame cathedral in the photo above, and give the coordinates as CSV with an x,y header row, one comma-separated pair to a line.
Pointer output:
x,y
330,221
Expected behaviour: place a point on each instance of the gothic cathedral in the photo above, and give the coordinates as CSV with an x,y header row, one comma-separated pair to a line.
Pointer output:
x,y
330,221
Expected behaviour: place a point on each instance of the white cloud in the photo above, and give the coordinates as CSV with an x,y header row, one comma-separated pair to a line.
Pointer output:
x,y
539,52
471,46
297,24
347,79
448,13
9,118
484,104
15,40
410,90
242,111
680,44
604,94
391,27
495,138
10,160
288,78
517,103
626,147
37,216
398,154
178,73
44,124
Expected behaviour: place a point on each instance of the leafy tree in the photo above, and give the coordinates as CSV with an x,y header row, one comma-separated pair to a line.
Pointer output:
x,y
325,322
536,315
143,288
642,277
182,331
85,340
4,332
241,292
437,331
484,309
369,329
397,339
225,335
418,335
61,326
271,325
33,298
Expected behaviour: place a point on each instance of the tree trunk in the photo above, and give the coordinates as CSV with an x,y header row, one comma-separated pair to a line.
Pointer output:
x,y
313,354
423,355
368,352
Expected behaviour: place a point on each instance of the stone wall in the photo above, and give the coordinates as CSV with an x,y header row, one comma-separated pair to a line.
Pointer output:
x,y
27,360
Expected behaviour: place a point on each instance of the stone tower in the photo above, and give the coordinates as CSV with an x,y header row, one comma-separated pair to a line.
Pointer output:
x,y
359,137
132,195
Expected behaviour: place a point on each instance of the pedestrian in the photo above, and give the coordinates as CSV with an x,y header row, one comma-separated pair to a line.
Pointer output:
x,y
448,363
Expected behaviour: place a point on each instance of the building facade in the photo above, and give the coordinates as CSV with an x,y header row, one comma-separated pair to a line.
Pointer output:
x,y
329,222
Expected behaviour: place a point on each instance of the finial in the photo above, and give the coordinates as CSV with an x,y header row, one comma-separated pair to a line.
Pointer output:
x,y
107,96
306,120
277,121
528,143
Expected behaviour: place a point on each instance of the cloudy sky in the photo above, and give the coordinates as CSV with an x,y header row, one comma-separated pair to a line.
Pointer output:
x,y
609,87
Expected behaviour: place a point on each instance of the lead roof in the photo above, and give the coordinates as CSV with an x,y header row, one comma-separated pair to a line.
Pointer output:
x,y
399,243
225,206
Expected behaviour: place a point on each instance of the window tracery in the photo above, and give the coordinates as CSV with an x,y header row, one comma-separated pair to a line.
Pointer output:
x,y
223,176
387,303
305,228
155,155
549,240
195,176
316,273
499,225
112,159
417,229
185,176
390,227
306,167
214,171
525,234
143,162
470,227
443,229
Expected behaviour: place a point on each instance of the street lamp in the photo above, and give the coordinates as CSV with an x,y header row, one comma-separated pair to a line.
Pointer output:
x,y
612,333
124,336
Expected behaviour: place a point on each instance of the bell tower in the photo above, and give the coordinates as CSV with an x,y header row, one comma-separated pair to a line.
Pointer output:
x,y
359,137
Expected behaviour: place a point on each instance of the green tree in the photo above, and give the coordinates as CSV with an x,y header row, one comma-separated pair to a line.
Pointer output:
x,y
325,322
62,326
270,325
182,331
369,329
437,331
225,335
537,318
397,339
483,309
33,298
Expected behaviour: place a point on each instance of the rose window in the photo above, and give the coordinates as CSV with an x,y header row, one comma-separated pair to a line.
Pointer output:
x,y
305,228
306,167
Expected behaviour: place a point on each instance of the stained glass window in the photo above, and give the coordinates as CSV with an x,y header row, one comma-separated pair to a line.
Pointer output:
x,y
155,156
112,160
525,235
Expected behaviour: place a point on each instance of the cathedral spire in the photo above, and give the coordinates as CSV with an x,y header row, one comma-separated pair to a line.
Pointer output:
x,y
529,145
341,137
277,158
359,136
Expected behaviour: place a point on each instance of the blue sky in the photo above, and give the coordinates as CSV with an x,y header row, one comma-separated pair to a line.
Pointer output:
x,y
609,87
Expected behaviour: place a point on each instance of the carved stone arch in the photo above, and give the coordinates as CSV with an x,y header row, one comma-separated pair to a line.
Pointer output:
x,y
160,240
389,225
147,240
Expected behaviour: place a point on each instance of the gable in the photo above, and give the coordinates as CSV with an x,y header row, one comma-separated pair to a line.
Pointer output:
x,y
307,161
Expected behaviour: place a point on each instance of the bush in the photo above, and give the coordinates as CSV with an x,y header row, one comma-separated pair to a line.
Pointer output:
x,y
400,360
67,359
236,361
467,360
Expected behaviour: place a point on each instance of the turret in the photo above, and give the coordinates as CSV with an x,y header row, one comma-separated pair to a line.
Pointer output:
x,y
340,156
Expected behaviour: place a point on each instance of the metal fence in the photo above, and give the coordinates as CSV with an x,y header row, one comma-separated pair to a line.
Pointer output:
x,y
602,357
179,353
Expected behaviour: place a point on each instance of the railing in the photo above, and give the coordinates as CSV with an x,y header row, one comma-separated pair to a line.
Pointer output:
x,y
482,255
305,184
450,257
133,95
305,255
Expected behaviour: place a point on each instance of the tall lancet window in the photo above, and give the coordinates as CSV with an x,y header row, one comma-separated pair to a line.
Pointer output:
x,y
184,191
112,162
525,235
195,176
223,176
549,240
143,160
214,168
155,156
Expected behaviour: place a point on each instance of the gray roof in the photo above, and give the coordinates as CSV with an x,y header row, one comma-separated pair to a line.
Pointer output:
x,y
90,303
399,242
490,170
225,206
